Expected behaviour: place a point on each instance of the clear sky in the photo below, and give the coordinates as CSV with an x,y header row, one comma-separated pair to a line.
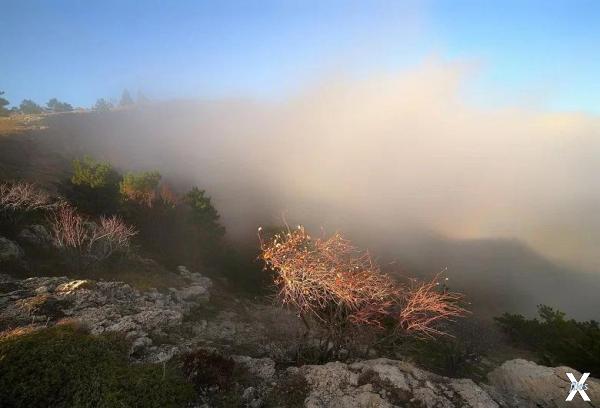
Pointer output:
x,y
544,52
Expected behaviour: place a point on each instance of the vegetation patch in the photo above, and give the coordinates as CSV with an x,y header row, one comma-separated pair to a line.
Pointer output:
x,y
290,391
219,379
66,367
556,340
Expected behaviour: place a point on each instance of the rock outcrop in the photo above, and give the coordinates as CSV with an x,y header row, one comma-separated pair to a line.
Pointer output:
x,y
388,383
104,307
149,317
9,250
36,235
523,383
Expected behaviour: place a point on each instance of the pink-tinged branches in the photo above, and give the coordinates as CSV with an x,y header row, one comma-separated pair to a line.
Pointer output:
x,y
335,283
425,305
97,241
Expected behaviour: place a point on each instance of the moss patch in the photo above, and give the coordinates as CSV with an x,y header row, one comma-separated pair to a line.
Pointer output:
x,y
66,367
290,391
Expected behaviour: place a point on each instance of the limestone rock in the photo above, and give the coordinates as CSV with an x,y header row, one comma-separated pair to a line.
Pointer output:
x,y
263,368
101,306
35,235
524,383
388,383
9,250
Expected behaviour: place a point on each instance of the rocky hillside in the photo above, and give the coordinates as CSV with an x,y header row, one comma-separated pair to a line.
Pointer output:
x,y
160,325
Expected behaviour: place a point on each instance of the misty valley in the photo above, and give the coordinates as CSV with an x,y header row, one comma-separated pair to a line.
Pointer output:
x,y
110,234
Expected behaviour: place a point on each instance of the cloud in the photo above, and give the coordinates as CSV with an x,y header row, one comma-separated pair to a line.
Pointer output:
x,y
390,152
405,148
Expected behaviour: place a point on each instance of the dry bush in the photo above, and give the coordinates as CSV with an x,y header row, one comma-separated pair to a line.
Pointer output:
x,y
23,196
87,240
424,305
330,281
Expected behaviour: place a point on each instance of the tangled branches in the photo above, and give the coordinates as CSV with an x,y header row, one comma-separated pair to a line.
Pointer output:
x,y
25,197
425,305
89,240
333,282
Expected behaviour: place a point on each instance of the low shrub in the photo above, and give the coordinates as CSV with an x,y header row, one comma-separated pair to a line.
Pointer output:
x,y
22,201
556,340
85,242
93,187
207,369
290,392
66,367
141,188
339,288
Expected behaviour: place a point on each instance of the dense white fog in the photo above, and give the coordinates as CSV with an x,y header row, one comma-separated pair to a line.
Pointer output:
x,y
396,160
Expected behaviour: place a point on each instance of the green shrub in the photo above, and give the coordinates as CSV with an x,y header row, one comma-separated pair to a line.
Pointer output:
x,y
203,213
92,173
94,187
141,187
556,340
202,233
174,229
66,367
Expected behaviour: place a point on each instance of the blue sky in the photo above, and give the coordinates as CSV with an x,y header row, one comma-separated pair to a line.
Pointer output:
x,y
541,52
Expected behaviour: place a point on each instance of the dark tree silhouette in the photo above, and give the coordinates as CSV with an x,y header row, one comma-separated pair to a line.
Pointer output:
x,y
57,106
30,107
3,104
102,105
126,99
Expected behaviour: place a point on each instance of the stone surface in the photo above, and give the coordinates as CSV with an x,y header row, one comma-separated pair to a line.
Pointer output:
x,y
388,383
161,325
103,307
35,235
263,368
524,383
9,250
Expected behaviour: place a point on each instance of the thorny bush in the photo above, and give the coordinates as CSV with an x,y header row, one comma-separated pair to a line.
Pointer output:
x,y
331,282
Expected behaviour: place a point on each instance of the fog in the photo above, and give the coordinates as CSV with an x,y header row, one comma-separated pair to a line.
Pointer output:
x,y
504,196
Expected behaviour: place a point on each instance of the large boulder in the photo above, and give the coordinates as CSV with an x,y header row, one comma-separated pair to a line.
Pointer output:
x,y
9,250
525,384
388,383
36,235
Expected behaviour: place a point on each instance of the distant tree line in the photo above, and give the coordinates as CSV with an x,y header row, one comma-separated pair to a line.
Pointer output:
x,y
103,105
30,107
